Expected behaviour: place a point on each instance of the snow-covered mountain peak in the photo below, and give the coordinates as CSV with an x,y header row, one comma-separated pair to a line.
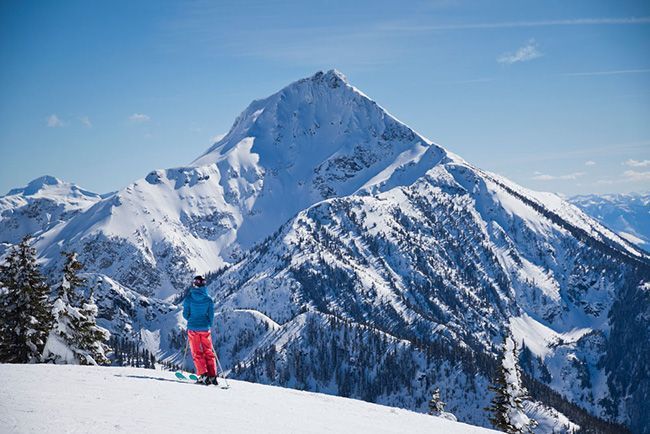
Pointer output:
x,y
332,78
36,185
317,138
333,73
50,187
45,185
39,206
312,115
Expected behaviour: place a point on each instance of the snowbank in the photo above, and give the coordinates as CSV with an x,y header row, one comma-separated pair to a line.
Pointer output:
x,y
53,398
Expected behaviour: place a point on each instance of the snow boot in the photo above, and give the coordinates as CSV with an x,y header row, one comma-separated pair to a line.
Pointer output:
x,y
203,379
213,380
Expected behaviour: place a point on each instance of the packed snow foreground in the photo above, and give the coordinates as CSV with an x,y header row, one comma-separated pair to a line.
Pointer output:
x,y
101,399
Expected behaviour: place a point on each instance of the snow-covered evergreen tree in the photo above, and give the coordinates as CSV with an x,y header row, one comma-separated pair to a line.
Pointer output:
x,y
93,337
25,317
507,405
75,338
63,336
71,280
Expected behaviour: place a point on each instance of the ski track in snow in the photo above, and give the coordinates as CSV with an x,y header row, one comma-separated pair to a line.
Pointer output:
x,y
103,400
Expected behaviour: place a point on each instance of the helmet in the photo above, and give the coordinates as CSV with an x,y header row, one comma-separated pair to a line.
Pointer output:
x,y
199,280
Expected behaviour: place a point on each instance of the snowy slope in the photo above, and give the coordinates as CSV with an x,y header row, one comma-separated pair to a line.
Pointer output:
x,y
627,214
103,400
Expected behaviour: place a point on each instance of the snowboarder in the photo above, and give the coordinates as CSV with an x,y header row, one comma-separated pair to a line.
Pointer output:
x,y
198,310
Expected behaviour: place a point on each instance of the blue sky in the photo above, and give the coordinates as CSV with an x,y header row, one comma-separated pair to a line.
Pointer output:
x,y
554,95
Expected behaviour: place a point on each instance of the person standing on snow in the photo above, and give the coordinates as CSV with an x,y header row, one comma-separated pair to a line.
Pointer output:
x,y
198,310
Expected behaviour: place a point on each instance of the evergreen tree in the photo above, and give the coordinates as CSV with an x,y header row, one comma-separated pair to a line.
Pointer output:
x,y
25,316
507,405
93,337
71,280
75,338
63,338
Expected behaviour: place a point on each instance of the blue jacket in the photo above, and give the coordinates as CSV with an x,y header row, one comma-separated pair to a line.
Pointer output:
x,y
198,309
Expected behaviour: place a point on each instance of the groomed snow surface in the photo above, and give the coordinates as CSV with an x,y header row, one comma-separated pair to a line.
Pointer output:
x,y
84,399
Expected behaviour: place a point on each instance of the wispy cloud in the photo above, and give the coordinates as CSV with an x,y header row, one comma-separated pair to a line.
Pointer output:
x,y
139,118
637,163
545,177
615,72
626,177
523,54
85,120
53,121
590,163
633,175
511,24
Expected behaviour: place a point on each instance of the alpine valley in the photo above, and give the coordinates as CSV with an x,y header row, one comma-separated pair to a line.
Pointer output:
x,y
347,254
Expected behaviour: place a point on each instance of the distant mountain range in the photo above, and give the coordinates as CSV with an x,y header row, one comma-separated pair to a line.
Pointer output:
x,y
348,254
627,214
41,205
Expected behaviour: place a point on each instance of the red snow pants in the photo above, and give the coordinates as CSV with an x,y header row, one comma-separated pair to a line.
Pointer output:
x,y
202,352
